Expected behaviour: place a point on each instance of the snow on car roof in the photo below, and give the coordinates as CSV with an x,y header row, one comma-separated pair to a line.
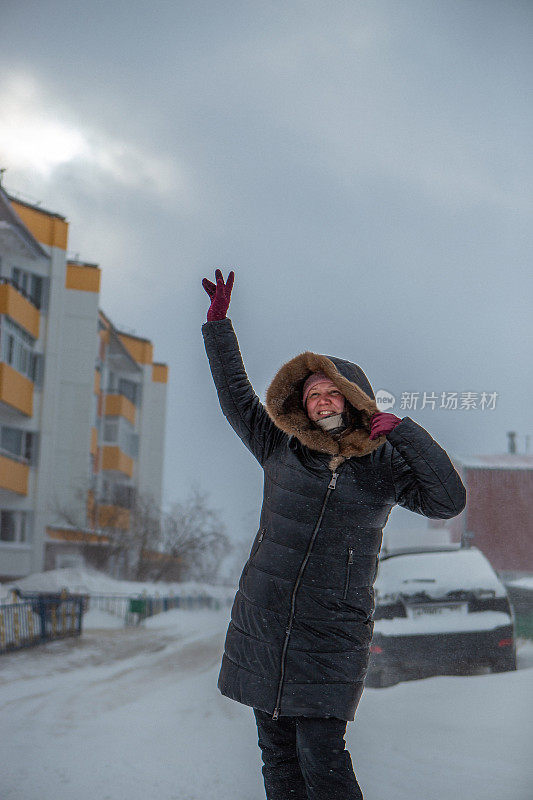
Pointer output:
x,y
436,572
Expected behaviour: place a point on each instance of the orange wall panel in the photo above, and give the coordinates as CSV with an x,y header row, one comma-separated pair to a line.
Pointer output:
x,y
21,311
16,390
94,441
141,350
14,475
113,517
68,535
116,405
160,373
47,228
83,278
114,459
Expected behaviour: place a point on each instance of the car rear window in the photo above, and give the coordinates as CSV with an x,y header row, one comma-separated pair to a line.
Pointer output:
x,y
437,573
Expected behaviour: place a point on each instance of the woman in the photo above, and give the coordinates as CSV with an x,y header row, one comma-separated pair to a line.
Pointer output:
x,y
298,643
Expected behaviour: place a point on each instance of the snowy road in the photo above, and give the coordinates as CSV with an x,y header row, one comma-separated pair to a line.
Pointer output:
x,y
136,715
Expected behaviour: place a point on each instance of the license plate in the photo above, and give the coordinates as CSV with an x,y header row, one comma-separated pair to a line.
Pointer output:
x,y
436,609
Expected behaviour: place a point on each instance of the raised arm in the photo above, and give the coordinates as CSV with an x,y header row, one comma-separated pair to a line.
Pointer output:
x,y
240,404
425,479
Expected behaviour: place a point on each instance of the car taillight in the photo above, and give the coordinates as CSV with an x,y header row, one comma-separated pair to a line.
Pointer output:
x,y
489,604
505,643
375,648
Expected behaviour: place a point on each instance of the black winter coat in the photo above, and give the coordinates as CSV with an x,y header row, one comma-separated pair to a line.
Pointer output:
x,y
301,623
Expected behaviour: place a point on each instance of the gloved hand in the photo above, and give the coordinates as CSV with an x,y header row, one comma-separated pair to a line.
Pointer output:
x,y
220,295
381,424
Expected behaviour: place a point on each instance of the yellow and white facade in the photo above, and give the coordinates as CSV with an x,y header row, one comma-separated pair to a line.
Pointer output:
x,y
82,404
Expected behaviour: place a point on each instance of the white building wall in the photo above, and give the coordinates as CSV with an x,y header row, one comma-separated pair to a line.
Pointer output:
x,y
152,436
79,347
52,342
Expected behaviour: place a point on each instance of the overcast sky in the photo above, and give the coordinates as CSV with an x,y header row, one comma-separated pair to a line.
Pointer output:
x,y
365,167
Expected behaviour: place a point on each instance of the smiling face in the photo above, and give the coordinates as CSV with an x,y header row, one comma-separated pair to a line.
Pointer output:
x,y
323,400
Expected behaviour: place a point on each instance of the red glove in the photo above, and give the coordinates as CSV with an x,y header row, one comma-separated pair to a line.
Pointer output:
x,y
219,295
381,424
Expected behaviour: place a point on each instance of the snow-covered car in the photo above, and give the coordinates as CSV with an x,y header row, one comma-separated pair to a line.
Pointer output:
x,y
439,610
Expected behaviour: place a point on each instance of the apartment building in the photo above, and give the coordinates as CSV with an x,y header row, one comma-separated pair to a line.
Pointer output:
x,y
82,403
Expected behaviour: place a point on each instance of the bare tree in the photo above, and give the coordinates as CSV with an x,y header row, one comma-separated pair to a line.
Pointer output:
x,y
141,539
193,532
143,543
113,537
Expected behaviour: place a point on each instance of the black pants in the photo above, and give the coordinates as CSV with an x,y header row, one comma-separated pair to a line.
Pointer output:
x,y
304,758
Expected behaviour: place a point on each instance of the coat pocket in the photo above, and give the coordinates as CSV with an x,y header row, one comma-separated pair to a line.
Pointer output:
x,y
255,547
349,563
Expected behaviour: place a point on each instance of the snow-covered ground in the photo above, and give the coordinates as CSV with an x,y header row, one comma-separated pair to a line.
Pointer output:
x,y
134,714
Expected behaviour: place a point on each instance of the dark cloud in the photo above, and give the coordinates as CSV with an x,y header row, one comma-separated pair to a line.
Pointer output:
x,y
364,167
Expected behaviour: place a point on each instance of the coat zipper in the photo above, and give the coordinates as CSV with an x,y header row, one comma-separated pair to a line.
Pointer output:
x,y
348,570
331,487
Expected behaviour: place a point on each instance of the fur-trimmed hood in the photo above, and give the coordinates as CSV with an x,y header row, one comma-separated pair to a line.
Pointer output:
x,y
285,407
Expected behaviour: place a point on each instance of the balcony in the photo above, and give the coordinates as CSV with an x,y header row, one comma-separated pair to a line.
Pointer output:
x,y
113,459
116,405
113,517
16,390
73,535
16,305
113,512
13,474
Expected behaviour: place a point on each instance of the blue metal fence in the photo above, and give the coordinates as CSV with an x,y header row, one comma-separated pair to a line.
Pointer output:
x,y
133,609
36,618
39,619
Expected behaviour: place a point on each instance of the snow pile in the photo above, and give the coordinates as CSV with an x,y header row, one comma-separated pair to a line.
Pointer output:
x,y
93,582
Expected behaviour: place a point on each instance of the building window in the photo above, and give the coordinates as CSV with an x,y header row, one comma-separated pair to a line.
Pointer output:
x,y
16,348
117,494
30,284
11,440
118,430
8,526
110,431
123,495
37,374
123,386
14,527
129,389
22,528
18,443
